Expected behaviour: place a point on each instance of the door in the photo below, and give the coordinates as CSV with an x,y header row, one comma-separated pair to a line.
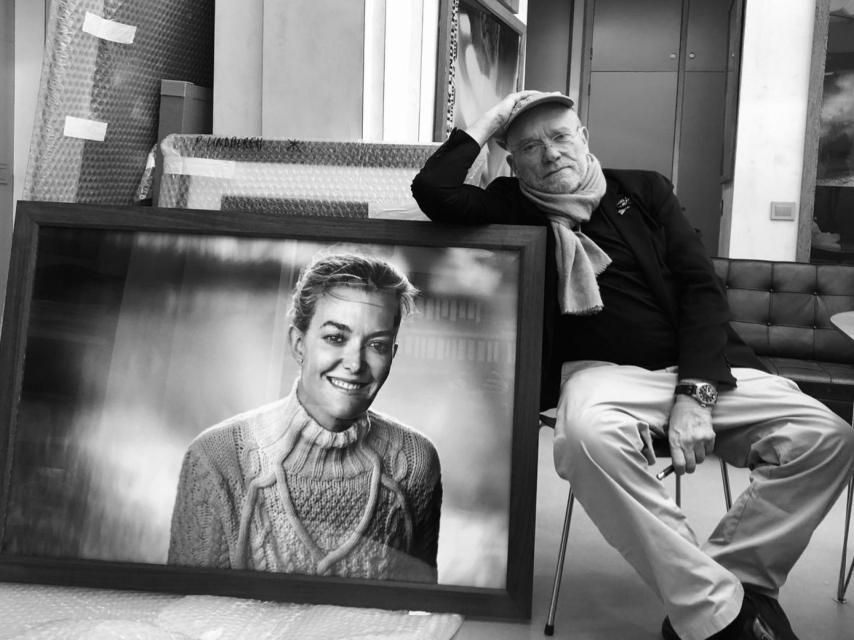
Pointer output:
x,y
656,96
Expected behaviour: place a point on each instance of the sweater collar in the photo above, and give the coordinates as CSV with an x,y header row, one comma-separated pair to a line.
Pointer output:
x,y
289,422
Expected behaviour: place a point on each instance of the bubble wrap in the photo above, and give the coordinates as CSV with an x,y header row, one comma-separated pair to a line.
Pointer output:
x,y
117,83
37,612
349,179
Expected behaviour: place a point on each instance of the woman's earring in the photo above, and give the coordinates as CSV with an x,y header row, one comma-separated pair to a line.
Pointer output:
x,y
299,360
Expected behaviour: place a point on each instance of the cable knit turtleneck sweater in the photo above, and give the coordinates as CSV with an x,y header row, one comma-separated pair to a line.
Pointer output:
x,y
272,490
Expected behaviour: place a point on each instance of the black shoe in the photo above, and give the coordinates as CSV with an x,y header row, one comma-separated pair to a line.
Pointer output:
x,y
761,618
769,611
667,631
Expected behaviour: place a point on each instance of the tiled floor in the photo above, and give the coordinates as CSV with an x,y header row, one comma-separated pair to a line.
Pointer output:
x,y
602,598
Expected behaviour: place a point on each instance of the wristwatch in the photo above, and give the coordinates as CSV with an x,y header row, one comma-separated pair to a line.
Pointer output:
x,y
704,393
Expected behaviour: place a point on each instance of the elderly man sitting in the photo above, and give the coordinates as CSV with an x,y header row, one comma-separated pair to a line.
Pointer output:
x,y
633,302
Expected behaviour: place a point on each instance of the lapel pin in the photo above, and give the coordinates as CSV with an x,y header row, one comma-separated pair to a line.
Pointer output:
x,y
623,204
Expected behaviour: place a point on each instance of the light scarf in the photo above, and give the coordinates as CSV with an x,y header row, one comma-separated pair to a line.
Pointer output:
x,y
579,259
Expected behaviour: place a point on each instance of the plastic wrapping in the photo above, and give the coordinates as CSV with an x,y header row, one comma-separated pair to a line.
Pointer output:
x,y
345,179
37,612
99,98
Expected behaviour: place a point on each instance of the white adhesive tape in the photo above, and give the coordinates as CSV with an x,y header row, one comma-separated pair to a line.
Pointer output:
x,y
83,128
202,167
108,29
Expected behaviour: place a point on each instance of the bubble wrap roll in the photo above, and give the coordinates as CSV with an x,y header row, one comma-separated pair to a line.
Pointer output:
x,y
98,107
40,612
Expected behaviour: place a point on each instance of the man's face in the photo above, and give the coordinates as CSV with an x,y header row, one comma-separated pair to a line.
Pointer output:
x,y
548,149
346,354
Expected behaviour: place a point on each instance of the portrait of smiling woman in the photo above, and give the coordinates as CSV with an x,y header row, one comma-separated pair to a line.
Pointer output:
x,y
316,483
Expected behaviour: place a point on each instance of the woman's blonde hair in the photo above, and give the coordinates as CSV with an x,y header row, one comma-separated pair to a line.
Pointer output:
x,y
327,271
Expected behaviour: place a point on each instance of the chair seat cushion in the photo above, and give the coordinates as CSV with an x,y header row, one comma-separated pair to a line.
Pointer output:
x,y
814,371
830,382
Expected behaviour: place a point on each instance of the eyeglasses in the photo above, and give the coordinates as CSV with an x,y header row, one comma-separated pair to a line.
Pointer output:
x,y
535,148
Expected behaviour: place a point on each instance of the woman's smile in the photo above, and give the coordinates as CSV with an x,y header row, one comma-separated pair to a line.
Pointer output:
x,y
346,385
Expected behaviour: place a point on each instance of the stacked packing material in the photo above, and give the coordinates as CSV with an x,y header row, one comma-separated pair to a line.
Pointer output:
x,y
45,612
99,98
344,179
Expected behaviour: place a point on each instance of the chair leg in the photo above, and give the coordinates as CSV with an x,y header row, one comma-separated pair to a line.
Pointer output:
x,y
727,490
561,555
843,580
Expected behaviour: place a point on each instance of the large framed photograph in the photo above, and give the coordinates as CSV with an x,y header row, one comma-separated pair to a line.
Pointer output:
x,y
248,404
485,45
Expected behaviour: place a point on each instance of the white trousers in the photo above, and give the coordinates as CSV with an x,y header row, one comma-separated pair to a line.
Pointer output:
x,y
800,454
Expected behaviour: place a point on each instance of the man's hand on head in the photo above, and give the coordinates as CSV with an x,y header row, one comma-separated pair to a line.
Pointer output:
x,y
494,118
690,434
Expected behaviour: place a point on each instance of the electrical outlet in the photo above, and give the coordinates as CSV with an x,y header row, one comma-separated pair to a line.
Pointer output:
x,y
783,211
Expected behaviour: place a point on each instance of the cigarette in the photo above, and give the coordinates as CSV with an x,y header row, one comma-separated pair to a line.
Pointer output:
x,y
661,475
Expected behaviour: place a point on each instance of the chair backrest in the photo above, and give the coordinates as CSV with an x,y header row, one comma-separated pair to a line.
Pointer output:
x,y
783,309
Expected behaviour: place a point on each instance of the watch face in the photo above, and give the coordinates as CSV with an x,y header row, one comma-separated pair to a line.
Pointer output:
x,y
706,394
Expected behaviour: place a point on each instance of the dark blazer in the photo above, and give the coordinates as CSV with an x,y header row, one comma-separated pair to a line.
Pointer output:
x,y
643,208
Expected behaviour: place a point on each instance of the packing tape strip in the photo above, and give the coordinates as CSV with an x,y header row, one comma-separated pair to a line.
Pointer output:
x,y
108,29
86,129
201,167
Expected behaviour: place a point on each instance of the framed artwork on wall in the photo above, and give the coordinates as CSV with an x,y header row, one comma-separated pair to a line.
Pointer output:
x,y
513,5
151,379
486,61
826,222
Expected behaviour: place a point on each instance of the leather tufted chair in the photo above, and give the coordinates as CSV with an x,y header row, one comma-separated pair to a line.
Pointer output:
x,y
782,310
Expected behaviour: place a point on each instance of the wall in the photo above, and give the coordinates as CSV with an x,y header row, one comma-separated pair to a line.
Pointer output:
x,y
377,59
29,42
771,127
7,135
237,67
545,69
23,39
315,91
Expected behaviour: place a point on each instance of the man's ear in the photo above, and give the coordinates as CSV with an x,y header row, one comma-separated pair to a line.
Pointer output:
x,y
511,163
585,134
295,340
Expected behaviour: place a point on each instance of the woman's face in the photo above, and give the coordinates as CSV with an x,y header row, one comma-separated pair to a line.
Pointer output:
x,y
345,354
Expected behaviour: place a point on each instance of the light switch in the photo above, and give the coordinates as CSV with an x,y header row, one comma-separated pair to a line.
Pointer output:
x,y
782,210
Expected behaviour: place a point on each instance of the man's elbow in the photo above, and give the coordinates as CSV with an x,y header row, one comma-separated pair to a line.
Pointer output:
x,y
420,188
425,198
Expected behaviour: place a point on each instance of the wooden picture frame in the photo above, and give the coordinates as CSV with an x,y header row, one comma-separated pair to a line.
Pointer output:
x,y
129,330
812,133
825,230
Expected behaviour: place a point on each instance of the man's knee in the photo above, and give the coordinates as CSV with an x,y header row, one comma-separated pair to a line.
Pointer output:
x,y
580,410
588,430
840,441
596,427
827,439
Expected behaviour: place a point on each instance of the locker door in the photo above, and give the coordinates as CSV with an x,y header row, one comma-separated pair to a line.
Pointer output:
x,y
633,82
647,112
700,146
700,153
631,119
